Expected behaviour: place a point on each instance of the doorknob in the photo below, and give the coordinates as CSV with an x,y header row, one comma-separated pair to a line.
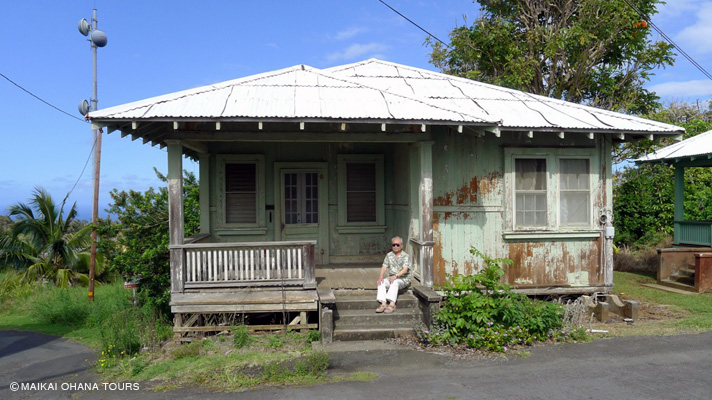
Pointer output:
x,y
322,252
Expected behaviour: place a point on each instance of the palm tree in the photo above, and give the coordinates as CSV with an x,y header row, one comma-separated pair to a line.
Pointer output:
x,y
44,243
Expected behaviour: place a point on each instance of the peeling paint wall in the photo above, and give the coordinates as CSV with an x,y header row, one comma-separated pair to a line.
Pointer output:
x,y
469,211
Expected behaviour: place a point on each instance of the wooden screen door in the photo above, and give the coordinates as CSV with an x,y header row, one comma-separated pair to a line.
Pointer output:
x,y
303,208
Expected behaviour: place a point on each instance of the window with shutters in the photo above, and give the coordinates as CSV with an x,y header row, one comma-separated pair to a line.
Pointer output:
x,y
550,189
241,190
361,198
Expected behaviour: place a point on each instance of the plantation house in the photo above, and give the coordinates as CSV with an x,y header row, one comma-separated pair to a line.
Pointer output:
x,y
306,169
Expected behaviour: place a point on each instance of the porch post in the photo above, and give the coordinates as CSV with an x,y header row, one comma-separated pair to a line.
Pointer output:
x,y
175,214
204,172
679,200
425,197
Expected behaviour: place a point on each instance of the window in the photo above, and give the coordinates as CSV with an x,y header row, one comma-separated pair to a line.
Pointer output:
x,y
361,197
530,192
241,193
241,201
550,189
574,192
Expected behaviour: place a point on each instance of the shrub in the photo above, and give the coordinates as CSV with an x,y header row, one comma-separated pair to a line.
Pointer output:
x,y
482,312
241,336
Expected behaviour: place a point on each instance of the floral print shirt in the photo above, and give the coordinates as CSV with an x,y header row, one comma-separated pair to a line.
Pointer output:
x,y
396,264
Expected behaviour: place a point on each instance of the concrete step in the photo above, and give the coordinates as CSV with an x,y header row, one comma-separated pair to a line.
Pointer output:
x,y
678,285
343,318
367,301
371,332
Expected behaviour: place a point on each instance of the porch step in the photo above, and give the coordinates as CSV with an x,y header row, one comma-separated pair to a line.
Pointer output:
x,y
684,276
678,285
366,300
346,318
372,332
355,316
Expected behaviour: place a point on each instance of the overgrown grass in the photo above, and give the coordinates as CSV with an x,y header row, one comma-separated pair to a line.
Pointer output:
x,y
223,364
110,323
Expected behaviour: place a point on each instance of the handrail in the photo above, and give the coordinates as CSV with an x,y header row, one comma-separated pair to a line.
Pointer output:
x,y
245,264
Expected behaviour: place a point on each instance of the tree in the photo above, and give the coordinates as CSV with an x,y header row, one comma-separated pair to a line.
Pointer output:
x,y
136,243
46,243
643,194
596,52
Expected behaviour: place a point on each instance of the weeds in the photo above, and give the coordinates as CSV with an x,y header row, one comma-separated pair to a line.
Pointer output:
x,y
241,336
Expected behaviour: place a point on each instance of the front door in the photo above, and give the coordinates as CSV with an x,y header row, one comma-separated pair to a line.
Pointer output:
x,y
302,206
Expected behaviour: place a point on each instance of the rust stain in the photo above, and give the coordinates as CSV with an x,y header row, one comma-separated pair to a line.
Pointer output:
x,y
469,192
468,268
455,270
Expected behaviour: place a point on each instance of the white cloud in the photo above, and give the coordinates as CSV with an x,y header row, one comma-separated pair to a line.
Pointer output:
x,y
348,33
677,8
357,51
698,36
684,89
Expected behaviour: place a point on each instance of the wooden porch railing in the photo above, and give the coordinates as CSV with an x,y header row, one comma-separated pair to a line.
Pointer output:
x,y
216,265
423,260
697,233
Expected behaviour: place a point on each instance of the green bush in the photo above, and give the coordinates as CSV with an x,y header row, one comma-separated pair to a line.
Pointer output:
x,y
482,312
241,336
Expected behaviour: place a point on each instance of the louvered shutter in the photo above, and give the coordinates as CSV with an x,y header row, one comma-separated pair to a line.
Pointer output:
x,y
240,193
361,192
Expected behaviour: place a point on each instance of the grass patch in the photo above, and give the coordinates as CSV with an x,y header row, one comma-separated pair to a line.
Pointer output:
x,y
662,313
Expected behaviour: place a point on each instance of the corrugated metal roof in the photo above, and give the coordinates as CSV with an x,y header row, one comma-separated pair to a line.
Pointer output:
x,y
299,92
515,109
376,90
696,146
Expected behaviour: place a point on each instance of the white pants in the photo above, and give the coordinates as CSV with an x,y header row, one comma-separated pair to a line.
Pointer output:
x,y
388,290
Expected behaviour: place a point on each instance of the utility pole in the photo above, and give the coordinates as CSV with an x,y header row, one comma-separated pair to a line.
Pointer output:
x,y
97,39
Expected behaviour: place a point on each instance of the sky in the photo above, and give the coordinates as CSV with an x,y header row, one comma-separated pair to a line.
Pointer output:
x,y
157,47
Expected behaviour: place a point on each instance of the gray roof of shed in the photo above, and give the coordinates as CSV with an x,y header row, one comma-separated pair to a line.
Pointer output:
x,y
376,91
692,148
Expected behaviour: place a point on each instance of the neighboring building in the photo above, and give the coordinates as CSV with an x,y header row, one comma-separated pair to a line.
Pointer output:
x,y
689,264
352,155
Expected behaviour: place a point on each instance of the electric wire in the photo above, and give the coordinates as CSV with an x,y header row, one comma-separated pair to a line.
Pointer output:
x,y
668,39
40,99
411,21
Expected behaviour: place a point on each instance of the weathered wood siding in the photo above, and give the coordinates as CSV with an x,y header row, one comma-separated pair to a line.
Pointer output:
x,y
470,211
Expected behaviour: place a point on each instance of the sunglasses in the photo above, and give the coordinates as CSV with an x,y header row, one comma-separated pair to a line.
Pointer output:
x,y
396,245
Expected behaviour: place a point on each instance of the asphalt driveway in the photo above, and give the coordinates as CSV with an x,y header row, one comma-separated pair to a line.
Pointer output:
x,y
671,367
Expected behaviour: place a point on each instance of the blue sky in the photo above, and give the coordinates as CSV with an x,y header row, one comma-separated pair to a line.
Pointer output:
x,y
159,46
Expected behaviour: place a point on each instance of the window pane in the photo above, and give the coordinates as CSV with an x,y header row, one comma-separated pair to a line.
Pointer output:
x,y
241,193
574,174
575,208
530,174
361,207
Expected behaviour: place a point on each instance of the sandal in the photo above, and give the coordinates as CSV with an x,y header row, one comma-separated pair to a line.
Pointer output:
x,y
391,308
381,308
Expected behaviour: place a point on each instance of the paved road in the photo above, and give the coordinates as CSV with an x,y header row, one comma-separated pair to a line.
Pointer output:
x,y
673,367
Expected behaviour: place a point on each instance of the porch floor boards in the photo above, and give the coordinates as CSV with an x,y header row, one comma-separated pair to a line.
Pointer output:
x,y
245,300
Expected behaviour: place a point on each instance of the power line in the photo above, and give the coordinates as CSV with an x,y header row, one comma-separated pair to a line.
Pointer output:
x,y
411,21
39,98
668,39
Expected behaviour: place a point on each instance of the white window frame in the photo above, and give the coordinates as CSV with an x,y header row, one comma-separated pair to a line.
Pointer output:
x,y
361,227
553,157
259,160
